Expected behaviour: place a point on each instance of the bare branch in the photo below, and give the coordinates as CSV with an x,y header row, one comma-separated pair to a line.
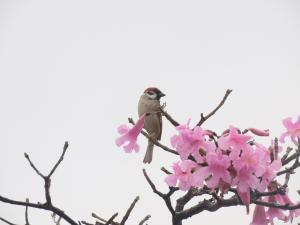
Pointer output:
x,y
33,166
129,210
144,220
50,208
204,118
6,221
98,217
165,197
66,145
26,213
111,219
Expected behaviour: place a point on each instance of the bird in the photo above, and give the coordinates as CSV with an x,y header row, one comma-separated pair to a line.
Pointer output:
x,y
149,103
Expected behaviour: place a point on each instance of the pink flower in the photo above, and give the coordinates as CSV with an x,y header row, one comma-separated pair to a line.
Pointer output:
x,y
217,168
275,212
293,130
234,141
130,135
183,173
249,159
284,199
259,132
268,175
191,141
259,216
279,213
245,180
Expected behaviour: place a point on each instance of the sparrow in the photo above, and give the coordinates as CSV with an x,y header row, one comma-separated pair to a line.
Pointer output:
x,y
150,103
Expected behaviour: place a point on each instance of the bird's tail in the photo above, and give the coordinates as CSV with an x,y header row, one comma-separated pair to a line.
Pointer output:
x,y
149,153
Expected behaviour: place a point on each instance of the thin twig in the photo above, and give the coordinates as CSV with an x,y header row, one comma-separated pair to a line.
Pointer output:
x,y
66,145
129,210
98,217
6,221
26,213
169,117
165,197
111,219
204,118
33,166
144,220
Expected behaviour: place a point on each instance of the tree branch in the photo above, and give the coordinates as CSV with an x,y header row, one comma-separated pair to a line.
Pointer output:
x,y
129,210
204,118
165,197
168,116
50,208
144,220
6,221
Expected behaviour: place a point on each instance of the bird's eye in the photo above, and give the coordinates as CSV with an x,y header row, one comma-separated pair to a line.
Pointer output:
x,y
150,93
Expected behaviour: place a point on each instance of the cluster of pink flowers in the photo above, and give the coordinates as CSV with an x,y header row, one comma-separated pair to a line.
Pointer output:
x,y
234,159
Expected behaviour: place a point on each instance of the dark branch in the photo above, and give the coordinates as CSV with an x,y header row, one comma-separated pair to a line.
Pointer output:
x,y
50,208
6,221
208,205
111,219
204,118
278,206
66,145
165,197
33,166
26,213
129,210
144,220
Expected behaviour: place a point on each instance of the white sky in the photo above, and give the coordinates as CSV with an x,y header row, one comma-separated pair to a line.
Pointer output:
x,y
74,70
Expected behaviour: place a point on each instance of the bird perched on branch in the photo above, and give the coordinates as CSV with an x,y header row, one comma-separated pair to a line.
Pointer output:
x,y
150,103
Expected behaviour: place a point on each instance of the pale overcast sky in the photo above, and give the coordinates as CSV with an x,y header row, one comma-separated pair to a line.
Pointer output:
x,y
74,70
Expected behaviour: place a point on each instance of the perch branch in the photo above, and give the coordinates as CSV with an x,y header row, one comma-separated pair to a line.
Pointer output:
x,y
157,143
168,116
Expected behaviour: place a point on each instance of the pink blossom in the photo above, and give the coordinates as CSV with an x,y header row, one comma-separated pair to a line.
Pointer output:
x,y
191,141
279,213
130,135
284,199
217,168
275,212
293,130
268,175
259,216
183,173
245,180
249,160
259,132
234,141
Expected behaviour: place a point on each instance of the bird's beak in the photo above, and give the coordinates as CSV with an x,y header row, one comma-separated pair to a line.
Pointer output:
x,y
161,95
